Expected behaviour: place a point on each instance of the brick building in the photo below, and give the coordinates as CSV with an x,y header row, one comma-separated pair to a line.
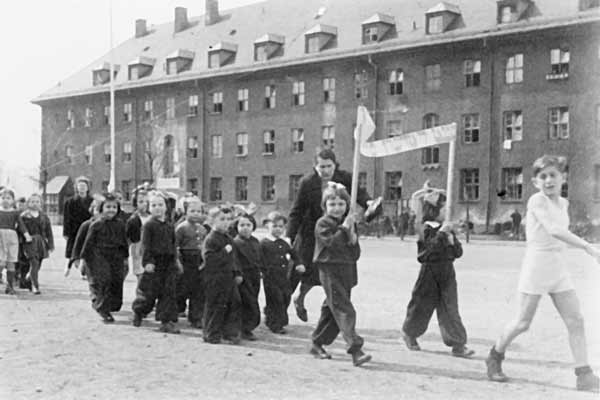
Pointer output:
x,y
233,104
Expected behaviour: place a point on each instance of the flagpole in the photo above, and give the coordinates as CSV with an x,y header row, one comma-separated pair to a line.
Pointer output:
x,y
355,162
450,180
113,179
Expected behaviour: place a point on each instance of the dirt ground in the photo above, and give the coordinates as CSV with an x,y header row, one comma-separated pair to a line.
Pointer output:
x,y
54,346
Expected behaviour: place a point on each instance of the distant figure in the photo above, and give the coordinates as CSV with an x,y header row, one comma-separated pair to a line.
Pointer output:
x,y
76,212
516,223
403,223
412,217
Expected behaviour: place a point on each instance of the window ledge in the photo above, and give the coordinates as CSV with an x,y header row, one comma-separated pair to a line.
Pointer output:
x,y
268,154
430,166
557,77
242,155
511,201
192,115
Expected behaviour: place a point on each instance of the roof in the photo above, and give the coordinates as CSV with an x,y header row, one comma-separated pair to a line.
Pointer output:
x,y
292,19
379,17
143,60
227,46
181,53
56,184
270,37
106,66
442,7
322,28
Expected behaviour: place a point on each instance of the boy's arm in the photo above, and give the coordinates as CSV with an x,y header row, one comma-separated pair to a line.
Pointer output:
x,y
48,233
327,233
147,239
79,240
214,252
89,243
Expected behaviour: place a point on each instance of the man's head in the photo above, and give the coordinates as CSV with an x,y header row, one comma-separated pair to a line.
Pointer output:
x,y
325,163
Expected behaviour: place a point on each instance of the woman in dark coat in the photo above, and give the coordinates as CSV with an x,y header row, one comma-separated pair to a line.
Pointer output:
x,y
305,212
76,212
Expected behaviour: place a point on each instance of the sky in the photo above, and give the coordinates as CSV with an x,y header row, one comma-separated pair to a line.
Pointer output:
x,y
44,42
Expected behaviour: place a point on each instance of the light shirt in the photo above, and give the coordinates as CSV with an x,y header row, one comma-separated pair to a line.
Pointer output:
x,y
544,216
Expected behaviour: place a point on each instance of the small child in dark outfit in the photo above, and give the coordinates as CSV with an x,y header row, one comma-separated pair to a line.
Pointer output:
x,y
336,253
157,284
248,258
279,257
221,278
105,252
435,288
189,237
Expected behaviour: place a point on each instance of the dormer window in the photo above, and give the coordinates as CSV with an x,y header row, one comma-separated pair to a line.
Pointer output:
x,y
319,38
377,28
512,10
221,54
268,46
101,74
179,61
441,17
140,68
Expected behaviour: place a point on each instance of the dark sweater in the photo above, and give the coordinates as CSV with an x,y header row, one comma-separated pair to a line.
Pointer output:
x,y
39,225
332,243
106,235
12,220
216,259
76,212
434,247
247,254
190,235
277,254
158,242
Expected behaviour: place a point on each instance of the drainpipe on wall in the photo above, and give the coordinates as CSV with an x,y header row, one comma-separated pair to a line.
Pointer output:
x,y
205,148
491,138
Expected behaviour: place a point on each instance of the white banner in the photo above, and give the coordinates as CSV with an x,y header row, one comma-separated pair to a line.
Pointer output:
x,y
402,143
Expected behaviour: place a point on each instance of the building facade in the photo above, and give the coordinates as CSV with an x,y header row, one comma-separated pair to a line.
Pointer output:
x,y
234,109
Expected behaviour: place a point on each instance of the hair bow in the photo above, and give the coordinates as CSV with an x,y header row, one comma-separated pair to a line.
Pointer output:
x,y
335,185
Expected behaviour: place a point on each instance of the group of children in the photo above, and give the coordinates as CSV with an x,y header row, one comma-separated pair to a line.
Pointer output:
x,y
25,240
211,264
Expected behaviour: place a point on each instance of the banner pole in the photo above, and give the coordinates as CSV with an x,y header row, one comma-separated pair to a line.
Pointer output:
x,y
356,160
450,180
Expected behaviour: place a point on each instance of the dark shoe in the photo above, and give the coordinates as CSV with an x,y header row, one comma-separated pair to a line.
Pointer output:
x,y
10,290
169,327
196,324
588,382
462,352
494,366
107,317
232,339
411,342
359,358
36,291
213,340
249,336
300,311
137,320
319,352
280,331
10,278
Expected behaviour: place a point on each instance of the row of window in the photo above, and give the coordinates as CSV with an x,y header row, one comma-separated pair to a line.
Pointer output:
x,y
559,69
512,128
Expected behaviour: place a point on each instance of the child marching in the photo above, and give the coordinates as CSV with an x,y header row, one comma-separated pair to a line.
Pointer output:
x,y
105,252
134,232
277,255
545,271
10,222
42,240
221,277
248,258
336,253
159,258
189,237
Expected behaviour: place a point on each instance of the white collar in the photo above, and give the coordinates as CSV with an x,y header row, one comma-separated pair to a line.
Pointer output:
x,y
433,224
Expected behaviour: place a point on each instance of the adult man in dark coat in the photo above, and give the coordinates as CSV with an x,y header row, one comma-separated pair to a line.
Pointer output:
x,y
76,212
305,212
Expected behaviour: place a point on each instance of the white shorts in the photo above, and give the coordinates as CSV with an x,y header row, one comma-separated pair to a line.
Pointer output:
x,y
543,272
9,246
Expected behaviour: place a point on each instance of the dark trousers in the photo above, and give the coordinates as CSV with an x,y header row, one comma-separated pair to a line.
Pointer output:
x,y
435,289
190,286
158,287
221,306
278,294
337,312
105,279
249,290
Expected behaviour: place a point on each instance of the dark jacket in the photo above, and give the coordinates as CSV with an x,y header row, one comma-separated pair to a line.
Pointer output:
x,y
39,226
133,228
76,212
306,210
216,259
158,243
434,247
278,255
106,236
333,243
247,254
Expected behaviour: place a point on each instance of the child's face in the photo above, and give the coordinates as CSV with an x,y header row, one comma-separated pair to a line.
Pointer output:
x,y
222,221
194,212
142,204
549,181
119,197
34,203
110,208
157,206
336,207
7,200
276,228
245,227
82,188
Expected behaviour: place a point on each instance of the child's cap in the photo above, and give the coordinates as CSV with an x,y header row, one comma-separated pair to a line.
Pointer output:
x,y
275,216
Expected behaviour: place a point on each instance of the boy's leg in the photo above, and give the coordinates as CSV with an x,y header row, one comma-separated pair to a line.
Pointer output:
x,y
274,309
166,308
100,284
271,301
183,288
10,278
34,268
568,307
146,293
214,306
327,328
232,323
250,308
338,299
425,297
116,284
528,304
452,329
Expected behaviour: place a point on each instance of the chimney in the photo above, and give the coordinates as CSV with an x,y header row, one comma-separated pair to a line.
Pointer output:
x,y
181,21
140,28
211,14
